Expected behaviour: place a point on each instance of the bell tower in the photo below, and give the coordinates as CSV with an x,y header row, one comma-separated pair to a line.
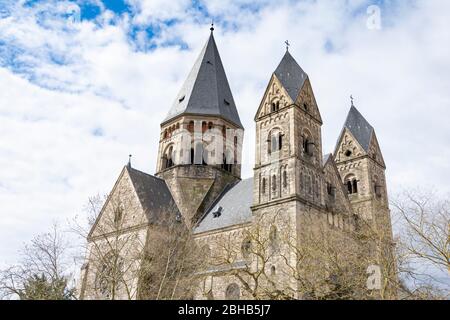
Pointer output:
x,y
362,168
288,162
200,144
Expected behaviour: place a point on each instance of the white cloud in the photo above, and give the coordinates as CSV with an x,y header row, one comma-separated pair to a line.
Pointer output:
x,y
51,162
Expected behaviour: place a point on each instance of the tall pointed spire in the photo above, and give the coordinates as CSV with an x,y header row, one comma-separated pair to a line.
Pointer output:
x,y
359,127
206,90
291,75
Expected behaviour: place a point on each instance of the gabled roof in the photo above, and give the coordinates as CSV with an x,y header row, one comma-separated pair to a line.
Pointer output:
x,y
235,203
153,194
291,75
326,158
206,90
359,127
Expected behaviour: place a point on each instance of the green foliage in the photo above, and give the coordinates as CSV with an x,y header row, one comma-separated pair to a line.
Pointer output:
x,y
39,287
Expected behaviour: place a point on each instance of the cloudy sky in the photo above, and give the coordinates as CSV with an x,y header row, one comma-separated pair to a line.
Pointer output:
x,y
84,83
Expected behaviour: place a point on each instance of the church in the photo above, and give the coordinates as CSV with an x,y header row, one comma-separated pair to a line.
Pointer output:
x,y
198,178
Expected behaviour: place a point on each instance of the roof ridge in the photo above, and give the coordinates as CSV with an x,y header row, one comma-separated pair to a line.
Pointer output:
x,y
147,174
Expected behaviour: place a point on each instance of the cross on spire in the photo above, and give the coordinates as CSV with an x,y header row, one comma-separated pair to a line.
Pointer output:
x,y
287,45
129,160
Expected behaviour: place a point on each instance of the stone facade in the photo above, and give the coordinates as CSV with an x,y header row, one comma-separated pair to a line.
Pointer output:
x,y
295,188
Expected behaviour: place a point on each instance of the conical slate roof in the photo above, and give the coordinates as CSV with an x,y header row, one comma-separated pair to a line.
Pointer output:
x,y
291,75
359,127
206,90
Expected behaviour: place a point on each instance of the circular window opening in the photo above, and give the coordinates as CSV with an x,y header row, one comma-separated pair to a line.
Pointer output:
x,y
348,153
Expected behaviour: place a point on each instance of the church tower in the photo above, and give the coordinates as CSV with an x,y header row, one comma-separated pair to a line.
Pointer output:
x,y
362,169
361,165
200,145
288,140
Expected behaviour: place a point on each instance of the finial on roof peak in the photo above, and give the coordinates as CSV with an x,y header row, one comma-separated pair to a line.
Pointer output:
x,y
212,26
287,45
129,161
351,98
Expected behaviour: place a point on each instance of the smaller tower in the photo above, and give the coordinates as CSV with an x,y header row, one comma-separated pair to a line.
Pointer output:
x,y
362,169
361,165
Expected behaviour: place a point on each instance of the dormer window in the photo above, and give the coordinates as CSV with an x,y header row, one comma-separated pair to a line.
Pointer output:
x,y
218,212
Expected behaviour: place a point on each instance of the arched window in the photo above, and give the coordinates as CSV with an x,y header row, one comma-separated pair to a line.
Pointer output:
x,y
233,292
307,146
226,165
204,126
274,183
191,127
331,190
192,156
285,179
377,187
198,156
210,125
302,181
309,184
352,184
349,187
355,186
165,134
275,141
168,158
275,106
273,238
273,270
246,248
263,187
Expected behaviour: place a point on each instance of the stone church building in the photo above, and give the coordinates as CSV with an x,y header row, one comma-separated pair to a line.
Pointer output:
x,y
198,176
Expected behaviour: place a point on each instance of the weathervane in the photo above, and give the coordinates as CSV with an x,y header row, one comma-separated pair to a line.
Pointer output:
x,y
287,45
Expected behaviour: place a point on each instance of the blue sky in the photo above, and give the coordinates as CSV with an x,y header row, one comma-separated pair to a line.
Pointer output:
x,y
85,83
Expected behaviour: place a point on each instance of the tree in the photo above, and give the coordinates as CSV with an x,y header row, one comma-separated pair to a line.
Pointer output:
x,y
424,224
273,259
171,261
129,257
42,273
